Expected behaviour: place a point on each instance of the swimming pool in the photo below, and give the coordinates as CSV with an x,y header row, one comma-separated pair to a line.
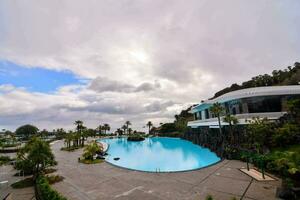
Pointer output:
x,y
158,154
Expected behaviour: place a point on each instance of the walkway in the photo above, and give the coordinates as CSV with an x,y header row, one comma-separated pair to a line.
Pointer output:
x,y
104,181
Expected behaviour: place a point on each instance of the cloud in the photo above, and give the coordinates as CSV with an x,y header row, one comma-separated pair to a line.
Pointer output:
x,y
142,60
102,84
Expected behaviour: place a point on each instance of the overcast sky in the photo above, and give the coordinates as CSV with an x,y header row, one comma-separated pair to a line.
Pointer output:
x,y
112,61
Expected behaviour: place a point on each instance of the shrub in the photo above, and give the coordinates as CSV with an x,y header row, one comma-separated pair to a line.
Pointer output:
x,y
4,160
209,197
45,191
54,179
135,138
285,135
49,170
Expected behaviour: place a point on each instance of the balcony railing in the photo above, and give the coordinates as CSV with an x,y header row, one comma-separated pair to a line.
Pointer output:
x,y
243,118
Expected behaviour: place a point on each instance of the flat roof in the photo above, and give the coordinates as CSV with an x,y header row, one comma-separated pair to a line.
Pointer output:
x,y
251,92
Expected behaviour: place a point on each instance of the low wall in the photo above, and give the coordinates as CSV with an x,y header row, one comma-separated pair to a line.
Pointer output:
x,y
211,138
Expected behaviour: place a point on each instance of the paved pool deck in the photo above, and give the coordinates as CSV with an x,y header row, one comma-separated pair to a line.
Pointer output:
x,y
104,181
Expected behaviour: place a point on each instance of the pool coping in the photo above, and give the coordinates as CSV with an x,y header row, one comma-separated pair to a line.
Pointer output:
x,y
150,172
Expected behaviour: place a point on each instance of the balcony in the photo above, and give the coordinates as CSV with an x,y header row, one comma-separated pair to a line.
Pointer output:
x,y
243,119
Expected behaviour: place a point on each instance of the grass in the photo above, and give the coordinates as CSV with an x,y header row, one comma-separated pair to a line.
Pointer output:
x,y
86,161
28,182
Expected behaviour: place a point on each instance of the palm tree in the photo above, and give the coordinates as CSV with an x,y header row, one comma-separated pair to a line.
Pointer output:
x,y
149,124
217,109
68,139
79,125
119,131
127,123
129,130
106,127
124,127
231,120
99,128
91,150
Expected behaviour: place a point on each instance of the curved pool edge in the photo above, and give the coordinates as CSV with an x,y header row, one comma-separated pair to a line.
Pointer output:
x,y
169,172
156,172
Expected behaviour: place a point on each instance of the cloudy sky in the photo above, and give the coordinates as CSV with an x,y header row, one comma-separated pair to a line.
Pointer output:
x,y
138,60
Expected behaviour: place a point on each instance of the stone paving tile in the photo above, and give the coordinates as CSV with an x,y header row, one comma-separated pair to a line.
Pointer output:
x,y
111,188
261,191
236,164
224,184
233,173
70,190
202,194
23,194
138,195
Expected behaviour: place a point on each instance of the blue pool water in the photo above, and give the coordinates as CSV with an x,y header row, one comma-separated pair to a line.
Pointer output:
x,y
159,154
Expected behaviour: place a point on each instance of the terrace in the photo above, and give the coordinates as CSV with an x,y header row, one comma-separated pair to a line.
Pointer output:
x,y
104,181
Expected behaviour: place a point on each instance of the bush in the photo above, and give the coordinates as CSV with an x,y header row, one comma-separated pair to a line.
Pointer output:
x,y
49,170
28,182
54,179
209,197
4,160
135,138
44,190
286,135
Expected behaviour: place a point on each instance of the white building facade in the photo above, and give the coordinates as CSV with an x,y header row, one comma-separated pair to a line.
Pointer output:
x,y
245,104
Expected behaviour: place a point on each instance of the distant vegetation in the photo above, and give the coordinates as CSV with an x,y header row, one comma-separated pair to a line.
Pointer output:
x,y
288,76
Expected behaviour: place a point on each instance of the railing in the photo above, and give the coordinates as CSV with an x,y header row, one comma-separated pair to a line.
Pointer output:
x,y
244,117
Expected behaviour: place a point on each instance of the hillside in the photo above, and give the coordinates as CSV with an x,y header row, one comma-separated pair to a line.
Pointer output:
x,y
288,76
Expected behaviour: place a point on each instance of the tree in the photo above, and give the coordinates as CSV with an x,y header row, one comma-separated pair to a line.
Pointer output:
x,y
91,150
59,133
79,125
127,123
149,125
129,131
35,156
231,120
79,129
124,127
91,132
68,139
217,109
27,130
258,131
100,128
294,108
106,127
119,131
44,133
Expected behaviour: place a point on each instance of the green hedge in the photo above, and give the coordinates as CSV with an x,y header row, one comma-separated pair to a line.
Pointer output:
x,y
45,192
136,138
